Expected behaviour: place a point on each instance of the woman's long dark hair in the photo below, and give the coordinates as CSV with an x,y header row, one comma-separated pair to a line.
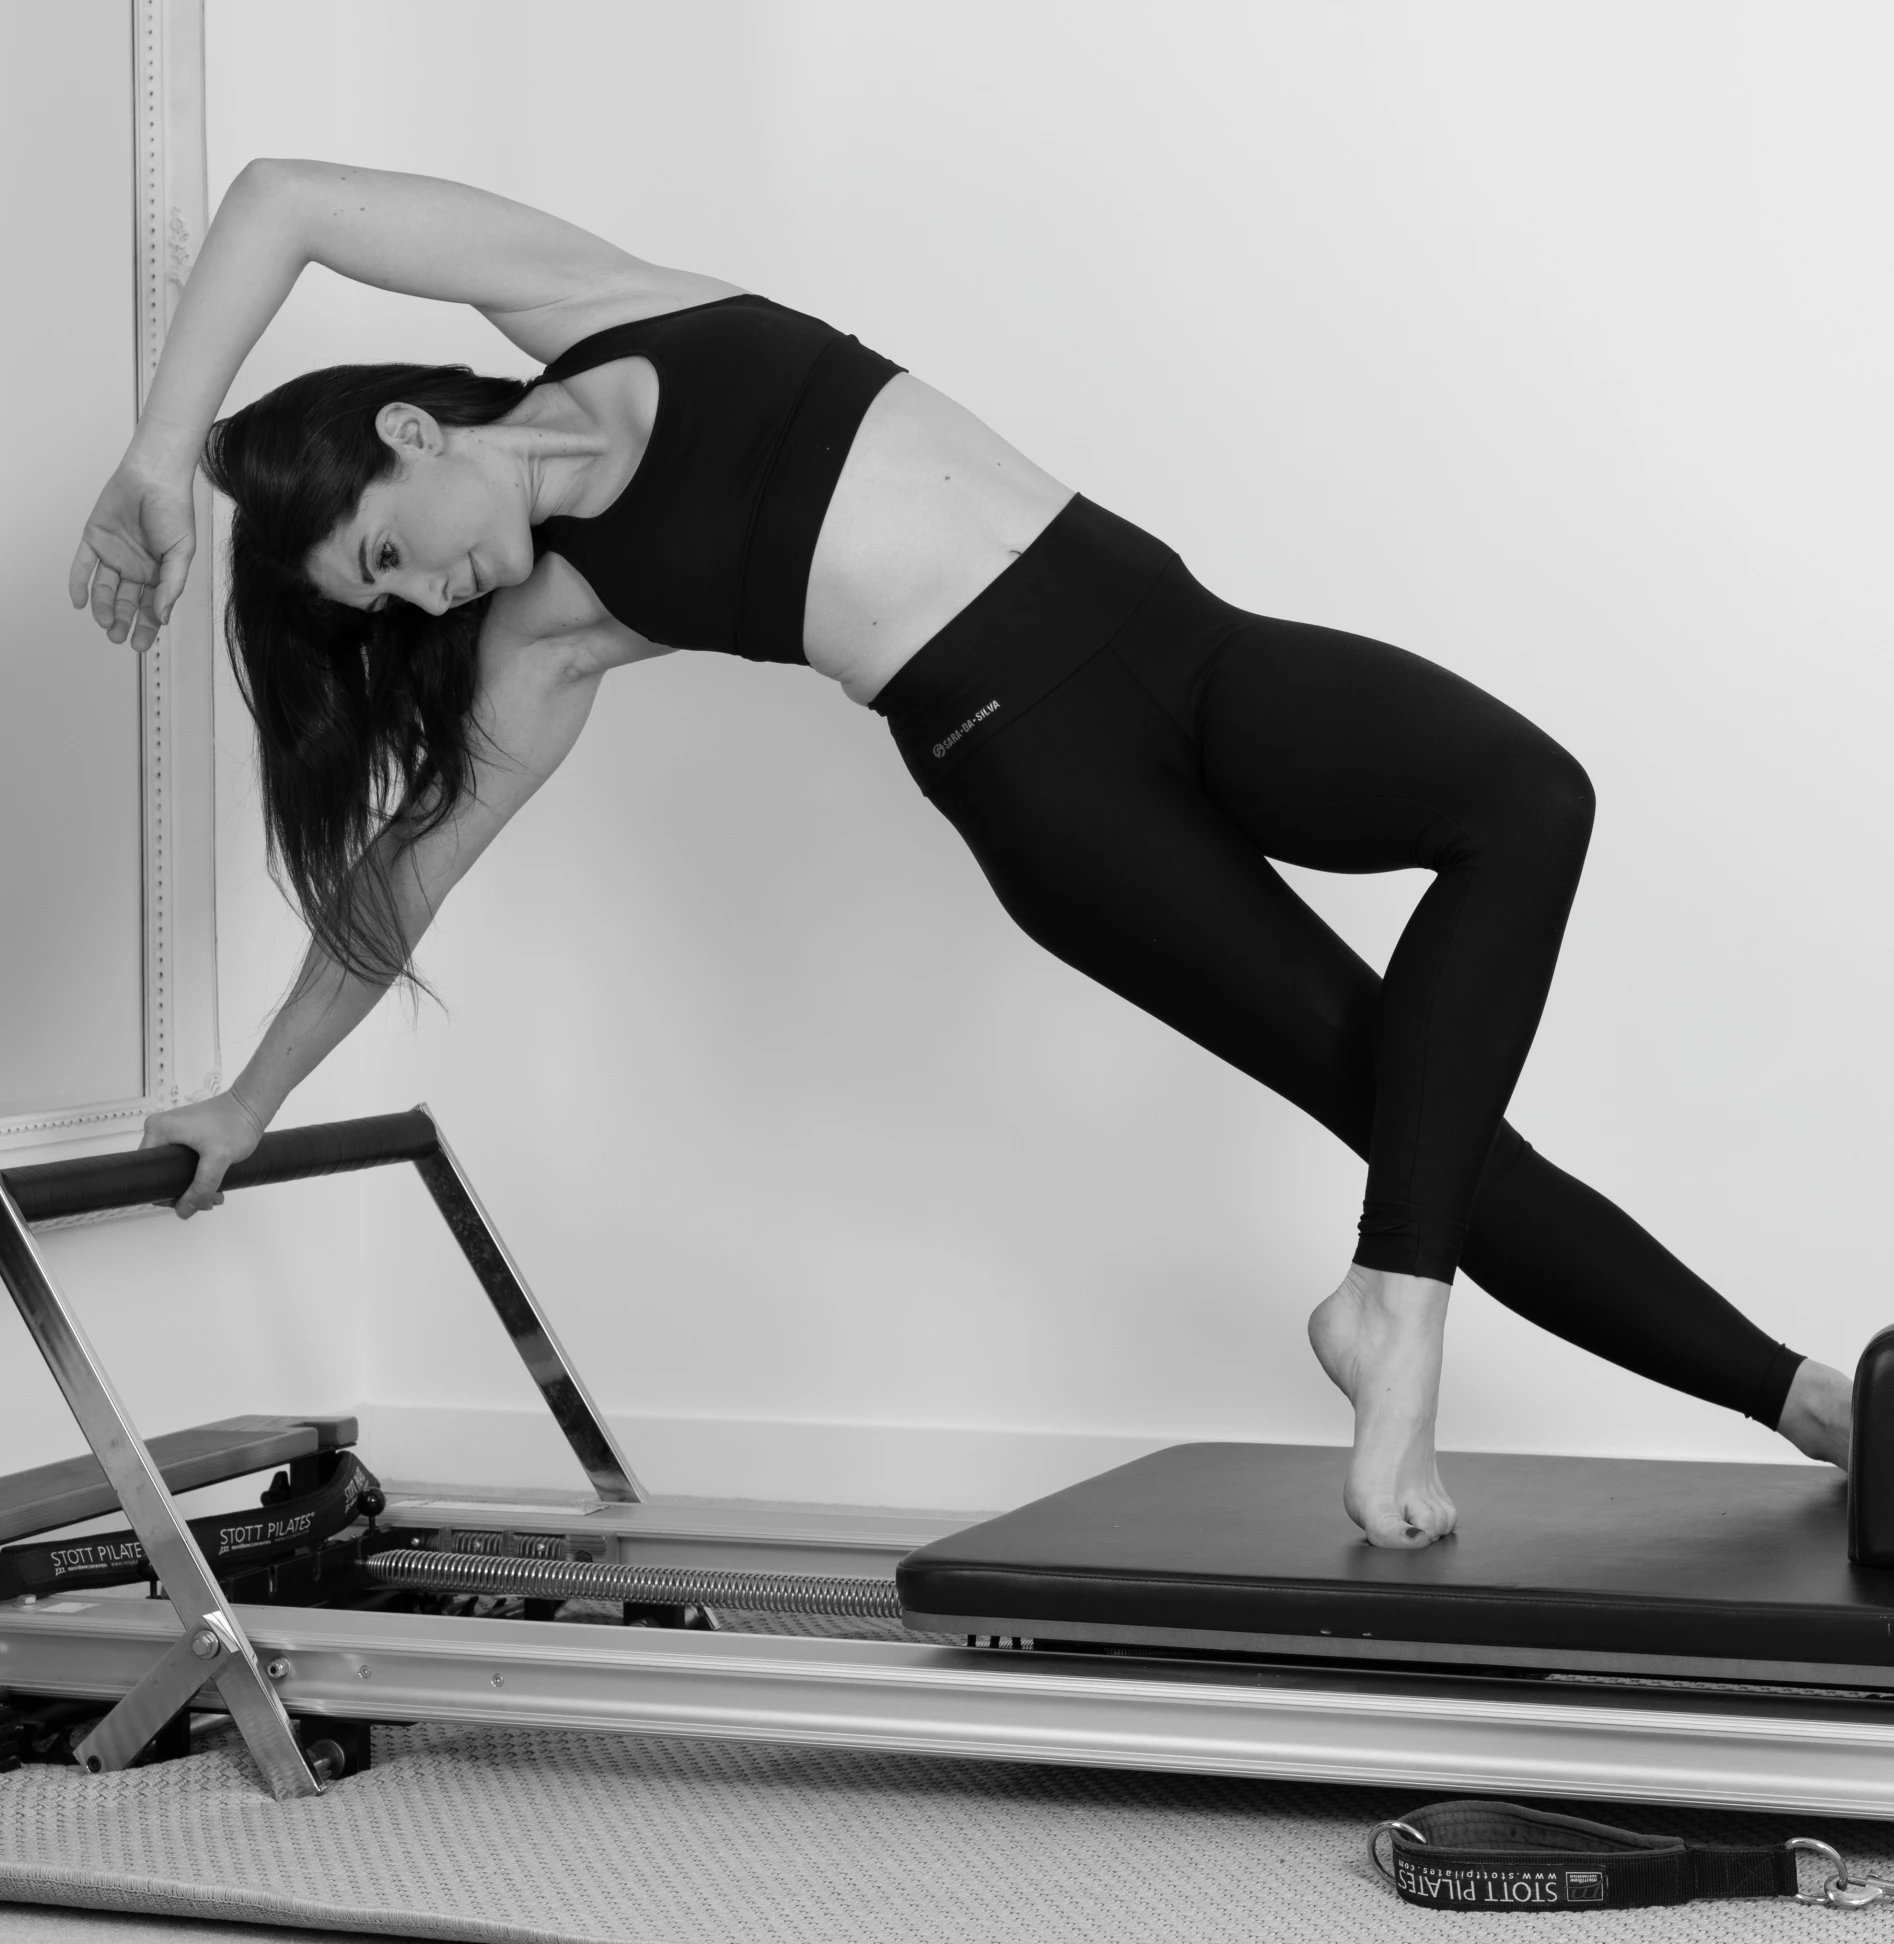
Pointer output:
x,y
364,721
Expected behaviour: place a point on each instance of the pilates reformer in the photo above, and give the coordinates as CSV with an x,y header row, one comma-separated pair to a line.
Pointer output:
x,y
1639,1630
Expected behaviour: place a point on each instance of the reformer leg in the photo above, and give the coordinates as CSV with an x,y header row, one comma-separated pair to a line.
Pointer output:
x,y
213,1646
525,1322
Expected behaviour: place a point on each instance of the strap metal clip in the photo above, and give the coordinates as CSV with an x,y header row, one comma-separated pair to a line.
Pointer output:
x,y
1841,1891
1408,1830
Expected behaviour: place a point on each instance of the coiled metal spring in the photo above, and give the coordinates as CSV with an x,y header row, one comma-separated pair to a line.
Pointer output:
x,y
587,1579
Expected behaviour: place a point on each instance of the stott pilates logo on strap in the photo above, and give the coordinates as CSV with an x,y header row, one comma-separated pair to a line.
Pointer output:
x,y
973,721
97,1556
1488,1886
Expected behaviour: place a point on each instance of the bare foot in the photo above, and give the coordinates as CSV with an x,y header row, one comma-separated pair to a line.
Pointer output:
x,y
1818,1415
1380,1337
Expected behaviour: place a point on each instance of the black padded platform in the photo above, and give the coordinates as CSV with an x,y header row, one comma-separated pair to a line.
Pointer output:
x,y
1605,1565
73,1489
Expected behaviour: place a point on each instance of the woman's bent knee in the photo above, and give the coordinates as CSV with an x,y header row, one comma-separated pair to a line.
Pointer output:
x,y
1571,805
1550,805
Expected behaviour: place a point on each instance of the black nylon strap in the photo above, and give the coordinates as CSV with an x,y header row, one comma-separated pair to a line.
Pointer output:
x,y
1499,1856
227,1538
1724,1872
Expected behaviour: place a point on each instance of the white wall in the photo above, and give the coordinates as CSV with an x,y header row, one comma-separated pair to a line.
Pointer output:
x,y
1549,343
257,1313
71,737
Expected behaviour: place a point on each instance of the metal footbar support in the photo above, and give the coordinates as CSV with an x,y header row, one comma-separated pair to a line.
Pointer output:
x,y
213,1647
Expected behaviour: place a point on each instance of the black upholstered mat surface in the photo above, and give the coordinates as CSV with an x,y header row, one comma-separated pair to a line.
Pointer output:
x,y
1664,1559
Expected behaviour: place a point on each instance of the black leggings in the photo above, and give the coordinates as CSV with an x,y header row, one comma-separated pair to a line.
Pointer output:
x,y
1124,753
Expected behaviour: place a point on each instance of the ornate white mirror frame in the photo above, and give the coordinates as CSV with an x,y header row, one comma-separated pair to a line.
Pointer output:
x,y
178,807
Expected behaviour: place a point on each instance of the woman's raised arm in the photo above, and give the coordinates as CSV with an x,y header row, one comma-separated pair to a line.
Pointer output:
x,y
543,282
536,693
531,273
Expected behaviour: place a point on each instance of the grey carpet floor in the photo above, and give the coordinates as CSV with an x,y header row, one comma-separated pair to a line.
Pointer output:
x,y
48,1924
527,1837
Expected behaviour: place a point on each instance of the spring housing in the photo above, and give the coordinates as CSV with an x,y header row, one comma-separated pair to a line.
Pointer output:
x,y
587,1579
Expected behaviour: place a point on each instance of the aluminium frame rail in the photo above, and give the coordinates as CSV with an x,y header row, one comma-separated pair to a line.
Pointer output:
x,y
1460,1733
1733,1747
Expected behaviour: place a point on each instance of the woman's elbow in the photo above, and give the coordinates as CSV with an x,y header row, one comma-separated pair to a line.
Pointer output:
x,y
262,172
262,189
279,177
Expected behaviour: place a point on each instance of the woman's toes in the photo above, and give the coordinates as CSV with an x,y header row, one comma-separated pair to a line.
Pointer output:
x,y
1386,1524
1399,1535
1432,1510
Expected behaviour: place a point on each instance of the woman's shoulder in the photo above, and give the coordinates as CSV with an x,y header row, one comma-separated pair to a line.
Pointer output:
x,y
651,297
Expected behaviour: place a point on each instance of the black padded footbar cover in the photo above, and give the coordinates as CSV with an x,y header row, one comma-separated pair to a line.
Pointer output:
x,y
1602,1555
161,1174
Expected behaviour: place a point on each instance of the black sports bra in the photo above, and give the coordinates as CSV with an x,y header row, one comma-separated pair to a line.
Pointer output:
x,y
709,545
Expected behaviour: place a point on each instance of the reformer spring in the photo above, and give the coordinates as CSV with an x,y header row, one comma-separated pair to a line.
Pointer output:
x,y
574,1579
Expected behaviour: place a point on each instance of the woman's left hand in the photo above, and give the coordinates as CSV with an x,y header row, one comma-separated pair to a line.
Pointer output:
x,y
136,551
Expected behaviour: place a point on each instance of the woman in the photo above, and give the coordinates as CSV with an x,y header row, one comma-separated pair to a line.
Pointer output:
x,y
432,572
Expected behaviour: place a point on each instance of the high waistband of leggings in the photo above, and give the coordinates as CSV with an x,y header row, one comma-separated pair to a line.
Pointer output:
x,y
1041,621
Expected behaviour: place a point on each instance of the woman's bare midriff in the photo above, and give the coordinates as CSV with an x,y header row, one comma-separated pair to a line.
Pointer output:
x,y
932,506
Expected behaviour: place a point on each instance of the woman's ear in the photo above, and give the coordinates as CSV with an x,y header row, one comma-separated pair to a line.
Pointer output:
x,y
413,433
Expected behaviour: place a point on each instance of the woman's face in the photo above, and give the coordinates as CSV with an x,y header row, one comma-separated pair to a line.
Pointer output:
x,y
447,526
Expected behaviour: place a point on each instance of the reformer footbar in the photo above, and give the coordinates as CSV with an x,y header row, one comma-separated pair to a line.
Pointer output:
x,y
213,1648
